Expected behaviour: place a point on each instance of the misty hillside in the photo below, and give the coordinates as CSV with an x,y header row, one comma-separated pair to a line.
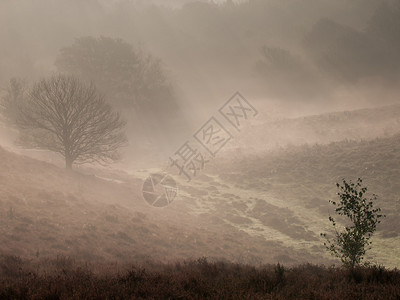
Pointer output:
x,y
47,211
360,124
283,195
303,179
249,208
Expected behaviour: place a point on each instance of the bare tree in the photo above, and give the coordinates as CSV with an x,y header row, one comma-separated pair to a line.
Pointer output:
x,y
68,117
14,95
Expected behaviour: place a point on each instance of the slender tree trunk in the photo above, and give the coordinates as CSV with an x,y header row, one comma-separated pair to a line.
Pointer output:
x,y
68,163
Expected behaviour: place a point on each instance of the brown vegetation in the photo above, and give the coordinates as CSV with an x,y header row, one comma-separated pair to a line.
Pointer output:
x,y
63,278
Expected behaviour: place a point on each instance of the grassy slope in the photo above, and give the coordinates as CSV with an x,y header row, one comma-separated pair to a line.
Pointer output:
x,y
322,129
303,179
261,208
45,211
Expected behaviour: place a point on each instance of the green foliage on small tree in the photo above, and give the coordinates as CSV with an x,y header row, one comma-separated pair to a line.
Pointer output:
x,y
351,244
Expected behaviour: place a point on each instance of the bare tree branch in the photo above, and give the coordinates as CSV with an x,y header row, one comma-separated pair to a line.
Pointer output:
x,y
68,117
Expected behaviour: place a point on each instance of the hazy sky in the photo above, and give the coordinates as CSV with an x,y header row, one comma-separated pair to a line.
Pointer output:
x,y
306,56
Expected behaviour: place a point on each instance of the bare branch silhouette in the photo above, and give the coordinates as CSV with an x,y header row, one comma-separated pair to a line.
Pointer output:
x,y
68,117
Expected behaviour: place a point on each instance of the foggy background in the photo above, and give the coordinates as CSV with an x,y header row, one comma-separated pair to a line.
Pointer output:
x,y
301,55
317,71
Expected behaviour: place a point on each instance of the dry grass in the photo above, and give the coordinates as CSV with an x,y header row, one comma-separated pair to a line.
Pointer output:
x,y
64,278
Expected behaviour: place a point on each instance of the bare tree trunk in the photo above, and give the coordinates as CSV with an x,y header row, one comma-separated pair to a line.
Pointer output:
x,y
68,163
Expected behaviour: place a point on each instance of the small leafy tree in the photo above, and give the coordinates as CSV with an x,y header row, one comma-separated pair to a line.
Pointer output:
x,y
351,244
